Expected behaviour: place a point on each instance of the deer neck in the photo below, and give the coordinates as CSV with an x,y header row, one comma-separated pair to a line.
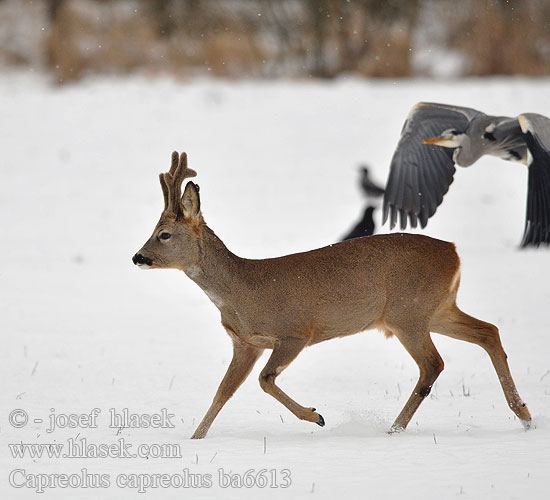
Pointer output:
x,y
217,270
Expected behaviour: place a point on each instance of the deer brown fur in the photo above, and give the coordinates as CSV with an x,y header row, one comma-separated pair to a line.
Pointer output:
x,y
402,284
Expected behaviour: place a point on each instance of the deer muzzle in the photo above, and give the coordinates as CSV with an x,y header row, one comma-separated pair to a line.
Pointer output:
x,y
142,261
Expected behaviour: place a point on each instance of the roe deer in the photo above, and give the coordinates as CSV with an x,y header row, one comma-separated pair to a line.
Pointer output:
x,y
402,284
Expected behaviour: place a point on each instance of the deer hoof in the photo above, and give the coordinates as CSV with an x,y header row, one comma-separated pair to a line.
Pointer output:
x,y
198,435
320,421
396,429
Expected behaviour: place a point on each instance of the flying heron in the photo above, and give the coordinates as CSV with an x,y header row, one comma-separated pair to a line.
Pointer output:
x,y
436,136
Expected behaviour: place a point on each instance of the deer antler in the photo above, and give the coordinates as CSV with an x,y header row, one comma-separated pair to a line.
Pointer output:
x,y
171,182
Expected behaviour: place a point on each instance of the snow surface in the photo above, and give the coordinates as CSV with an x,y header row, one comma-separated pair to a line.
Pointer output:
x,y
277,163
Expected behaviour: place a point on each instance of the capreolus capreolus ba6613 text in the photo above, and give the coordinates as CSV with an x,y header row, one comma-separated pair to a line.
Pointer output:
x,y
402,284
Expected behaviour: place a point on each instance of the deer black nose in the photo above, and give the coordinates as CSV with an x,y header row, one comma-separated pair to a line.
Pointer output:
x,y
141,259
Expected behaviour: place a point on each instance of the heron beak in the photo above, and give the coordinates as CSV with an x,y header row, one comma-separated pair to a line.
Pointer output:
x,y
433,140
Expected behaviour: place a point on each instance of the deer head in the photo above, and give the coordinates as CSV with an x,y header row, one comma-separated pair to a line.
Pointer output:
x,y
176,238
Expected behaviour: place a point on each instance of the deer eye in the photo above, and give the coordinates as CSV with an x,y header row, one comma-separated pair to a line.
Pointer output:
x,y
164,235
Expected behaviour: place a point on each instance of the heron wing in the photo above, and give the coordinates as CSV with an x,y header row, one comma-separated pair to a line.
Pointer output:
x,y
536,129
420,174
504,138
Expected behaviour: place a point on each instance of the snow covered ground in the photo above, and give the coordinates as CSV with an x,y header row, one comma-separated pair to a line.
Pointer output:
x,y
82,328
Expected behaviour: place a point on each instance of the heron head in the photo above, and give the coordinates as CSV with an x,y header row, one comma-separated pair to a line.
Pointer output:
x,y
450,138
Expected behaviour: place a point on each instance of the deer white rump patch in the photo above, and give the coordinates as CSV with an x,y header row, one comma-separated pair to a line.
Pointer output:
x,y
456,277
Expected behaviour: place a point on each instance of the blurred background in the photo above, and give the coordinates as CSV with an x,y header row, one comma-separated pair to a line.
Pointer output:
x,y
72,39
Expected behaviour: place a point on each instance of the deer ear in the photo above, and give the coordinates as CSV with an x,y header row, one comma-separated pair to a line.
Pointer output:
x,y
190,200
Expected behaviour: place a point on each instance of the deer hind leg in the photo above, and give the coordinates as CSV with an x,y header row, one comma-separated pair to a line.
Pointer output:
x,y
459,325
283,354
420,346
244,357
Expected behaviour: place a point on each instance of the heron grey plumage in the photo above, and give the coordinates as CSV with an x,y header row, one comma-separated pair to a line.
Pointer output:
x,y
436,136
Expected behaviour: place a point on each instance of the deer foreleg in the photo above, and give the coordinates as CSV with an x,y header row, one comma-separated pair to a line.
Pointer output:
x,y
283,354
244,357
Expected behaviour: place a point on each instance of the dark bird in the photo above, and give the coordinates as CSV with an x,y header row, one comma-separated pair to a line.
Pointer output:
x,y
370,189
373,193
436,136
365,227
